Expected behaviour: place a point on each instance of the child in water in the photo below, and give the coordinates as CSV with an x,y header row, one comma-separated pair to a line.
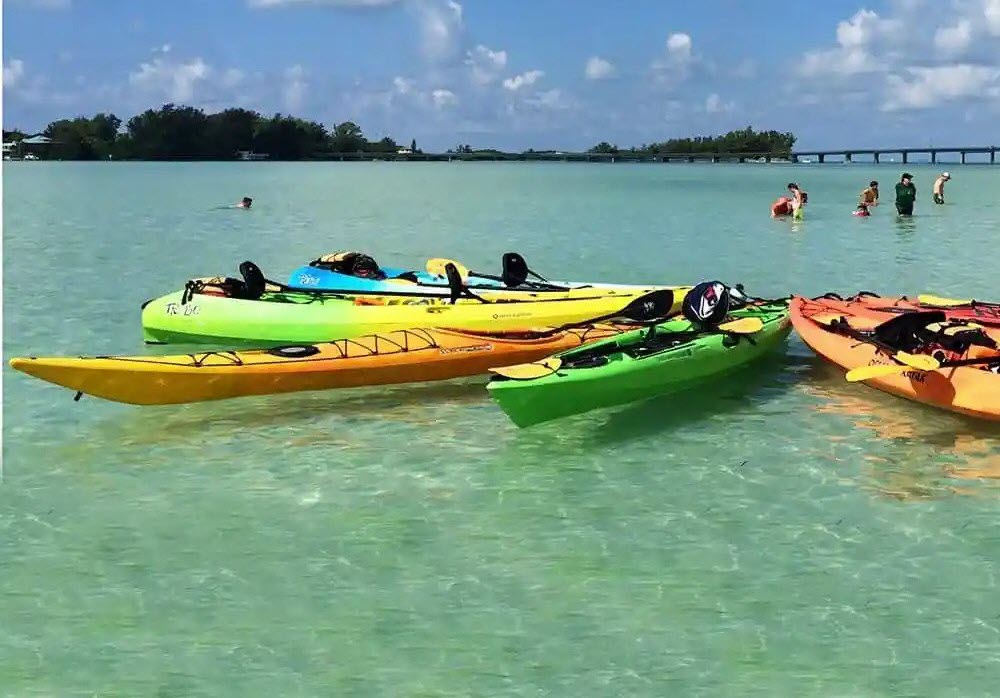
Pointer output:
x,y
862,210
799,199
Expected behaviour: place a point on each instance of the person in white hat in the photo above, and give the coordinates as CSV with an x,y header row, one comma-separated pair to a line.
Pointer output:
x,y
939,187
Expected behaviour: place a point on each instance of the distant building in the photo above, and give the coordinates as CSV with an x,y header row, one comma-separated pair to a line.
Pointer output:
x,y
250,155
404,151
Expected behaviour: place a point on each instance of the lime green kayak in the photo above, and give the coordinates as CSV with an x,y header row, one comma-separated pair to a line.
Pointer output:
x,y
279,318
636,365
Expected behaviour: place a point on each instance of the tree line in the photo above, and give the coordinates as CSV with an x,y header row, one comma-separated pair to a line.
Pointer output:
x,y
178,132
742,141
181,132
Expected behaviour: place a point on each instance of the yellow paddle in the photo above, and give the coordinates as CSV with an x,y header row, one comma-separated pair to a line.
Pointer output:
x,y
938,301
908,362
437,266
746,325
523,372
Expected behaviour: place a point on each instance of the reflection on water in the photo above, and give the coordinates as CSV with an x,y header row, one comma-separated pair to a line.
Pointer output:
x,y
905,224
918,449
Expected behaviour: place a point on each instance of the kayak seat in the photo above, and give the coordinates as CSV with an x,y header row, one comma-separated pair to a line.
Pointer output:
x,y
902,332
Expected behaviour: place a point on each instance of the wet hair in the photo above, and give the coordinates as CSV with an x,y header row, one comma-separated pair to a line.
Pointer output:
x,y
793,185
873,183
247,200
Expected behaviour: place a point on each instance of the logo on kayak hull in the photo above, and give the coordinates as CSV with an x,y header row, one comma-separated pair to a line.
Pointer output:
x,y
467,350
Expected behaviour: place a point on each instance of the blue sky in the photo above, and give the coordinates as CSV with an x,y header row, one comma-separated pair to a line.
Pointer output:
x,y
517,74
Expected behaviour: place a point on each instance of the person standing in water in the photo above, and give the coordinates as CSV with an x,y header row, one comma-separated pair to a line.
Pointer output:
x,y
869,197
939,187
799,199
906,195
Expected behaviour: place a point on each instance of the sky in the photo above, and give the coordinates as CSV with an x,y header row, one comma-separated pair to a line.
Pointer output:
x,y
517,74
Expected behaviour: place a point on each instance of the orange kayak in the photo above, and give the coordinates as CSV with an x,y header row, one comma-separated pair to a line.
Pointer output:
x,y
983,312
867,332
402,356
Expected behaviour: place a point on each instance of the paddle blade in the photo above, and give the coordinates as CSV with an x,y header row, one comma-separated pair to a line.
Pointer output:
x,y
525,372
746,325
650,306
921,362
438,266
942,302
864,373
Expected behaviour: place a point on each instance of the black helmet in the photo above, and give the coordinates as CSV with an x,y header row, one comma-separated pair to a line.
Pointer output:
x,y
707,303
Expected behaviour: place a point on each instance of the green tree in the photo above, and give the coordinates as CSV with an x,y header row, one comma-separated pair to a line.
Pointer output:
x,y
347,138
231,130
82,138
288,138
413,145
604,148
170,131
385,145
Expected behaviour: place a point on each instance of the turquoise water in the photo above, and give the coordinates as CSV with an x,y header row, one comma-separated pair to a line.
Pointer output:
x,y
785,533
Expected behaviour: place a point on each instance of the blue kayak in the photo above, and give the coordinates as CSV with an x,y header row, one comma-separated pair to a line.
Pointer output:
x,y
354,271
326,279
357,271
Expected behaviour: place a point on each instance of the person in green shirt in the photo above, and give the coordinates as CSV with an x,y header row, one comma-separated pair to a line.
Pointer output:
x,y
906,194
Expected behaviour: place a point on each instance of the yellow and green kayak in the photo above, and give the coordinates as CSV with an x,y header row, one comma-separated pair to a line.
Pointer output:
x,y
288,317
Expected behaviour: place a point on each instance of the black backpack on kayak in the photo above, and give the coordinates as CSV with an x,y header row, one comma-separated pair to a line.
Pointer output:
x,y
351,263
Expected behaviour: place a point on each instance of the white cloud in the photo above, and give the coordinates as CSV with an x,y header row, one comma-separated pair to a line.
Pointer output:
x,y
404,86
523,80
443,98
925,88
598,68
838,62
13,71
715,105
679,46
331,3
550,99
441,27
294,91
485,64
856,38
232,77
991,9
175,81
675,65
954,39
864,28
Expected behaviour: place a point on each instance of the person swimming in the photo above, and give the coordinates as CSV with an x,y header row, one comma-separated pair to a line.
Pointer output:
x,y
245,203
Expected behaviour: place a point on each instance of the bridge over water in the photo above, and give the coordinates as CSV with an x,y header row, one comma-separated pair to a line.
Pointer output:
x,y
822,156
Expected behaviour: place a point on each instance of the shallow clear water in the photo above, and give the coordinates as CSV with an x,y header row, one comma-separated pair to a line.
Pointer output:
x,y
784,533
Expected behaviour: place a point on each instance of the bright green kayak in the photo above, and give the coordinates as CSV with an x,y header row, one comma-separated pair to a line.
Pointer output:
x,y
634,366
